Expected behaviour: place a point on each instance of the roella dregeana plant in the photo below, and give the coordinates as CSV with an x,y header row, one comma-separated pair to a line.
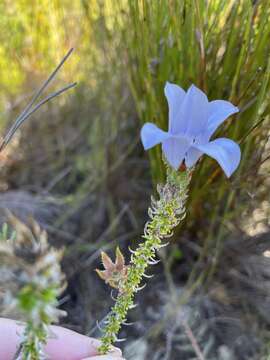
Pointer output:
x,y
192,121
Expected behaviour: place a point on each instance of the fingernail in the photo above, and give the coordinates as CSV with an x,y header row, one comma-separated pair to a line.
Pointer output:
x,y
116,351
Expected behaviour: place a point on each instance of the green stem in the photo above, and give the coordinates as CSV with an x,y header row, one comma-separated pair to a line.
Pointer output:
x,y
35,339
165,214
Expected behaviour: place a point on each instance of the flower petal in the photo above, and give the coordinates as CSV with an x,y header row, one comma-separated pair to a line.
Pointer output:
x,y
194,111
192,156
175,96
219,110
174,150
225,151
151,135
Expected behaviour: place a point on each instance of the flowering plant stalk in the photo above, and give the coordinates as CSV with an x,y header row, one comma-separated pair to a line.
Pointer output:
x,y
192,122
30,282
165,214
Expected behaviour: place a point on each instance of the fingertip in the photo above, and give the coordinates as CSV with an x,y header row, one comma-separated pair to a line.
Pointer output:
x,y
70,345
116,352
104,357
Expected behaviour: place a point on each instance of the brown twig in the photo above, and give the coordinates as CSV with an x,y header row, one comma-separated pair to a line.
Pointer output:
x,y
193,340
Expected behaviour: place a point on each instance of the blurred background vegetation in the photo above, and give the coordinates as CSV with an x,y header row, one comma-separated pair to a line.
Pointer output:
x,y
78,167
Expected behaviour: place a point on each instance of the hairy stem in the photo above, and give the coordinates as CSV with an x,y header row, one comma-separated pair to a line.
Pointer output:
x,y
165,214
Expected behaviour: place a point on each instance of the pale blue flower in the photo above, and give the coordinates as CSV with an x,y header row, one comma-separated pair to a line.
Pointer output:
x,y
192,121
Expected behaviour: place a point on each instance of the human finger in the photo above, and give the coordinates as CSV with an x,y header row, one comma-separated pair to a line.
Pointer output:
x,y
104,357
69,345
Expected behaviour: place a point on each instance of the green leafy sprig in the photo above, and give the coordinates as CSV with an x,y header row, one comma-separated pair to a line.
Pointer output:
x,y
165,214
30,283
